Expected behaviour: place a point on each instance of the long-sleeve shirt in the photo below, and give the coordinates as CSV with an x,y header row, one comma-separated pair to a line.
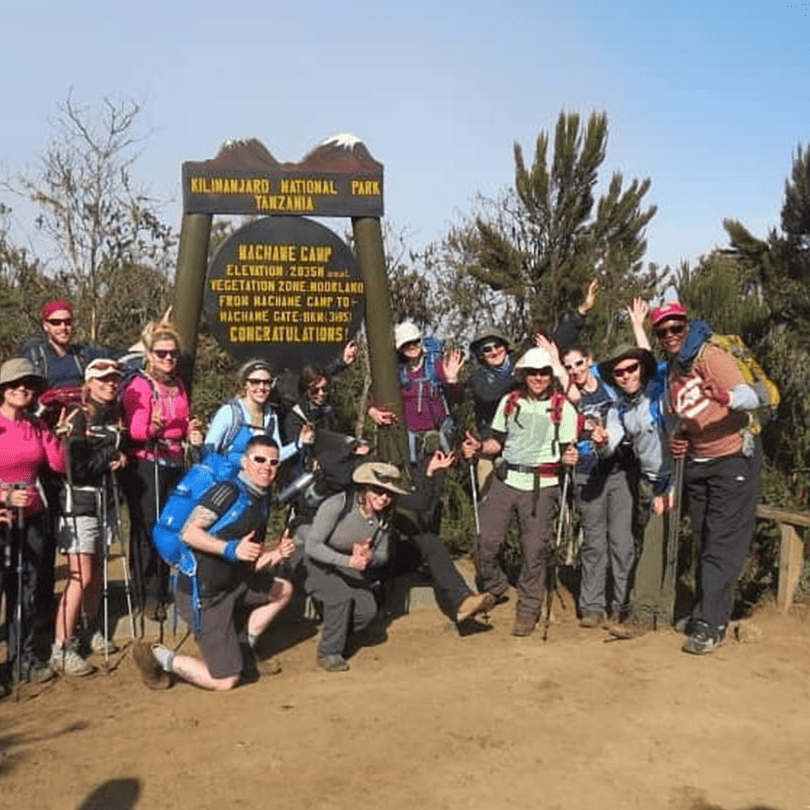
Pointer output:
x,y
216,440
26,445
713,429
141,398
424,402
330,538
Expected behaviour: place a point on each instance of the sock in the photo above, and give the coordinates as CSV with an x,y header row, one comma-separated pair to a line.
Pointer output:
x,y
164,656
252,641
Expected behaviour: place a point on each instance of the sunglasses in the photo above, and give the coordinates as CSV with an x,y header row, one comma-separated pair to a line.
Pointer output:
x,y
319,388
108,379
626,370
490,347
538,372
257,381
576,364
381,491
676,329
60,321
28,383
162,354
273,462
103,365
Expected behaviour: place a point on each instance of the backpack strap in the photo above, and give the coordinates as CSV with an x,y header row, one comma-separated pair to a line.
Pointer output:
x,y
235,427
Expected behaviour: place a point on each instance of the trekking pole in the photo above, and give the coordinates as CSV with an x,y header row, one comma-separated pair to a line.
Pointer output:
x,y
124,555
671,564
552,559
474,488
105,593
160,610
18,620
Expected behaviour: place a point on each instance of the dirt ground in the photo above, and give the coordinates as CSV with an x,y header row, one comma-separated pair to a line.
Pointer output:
x,y
436,720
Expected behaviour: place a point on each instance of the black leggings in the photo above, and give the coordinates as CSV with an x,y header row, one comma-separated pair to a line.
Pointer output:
x,y
150,573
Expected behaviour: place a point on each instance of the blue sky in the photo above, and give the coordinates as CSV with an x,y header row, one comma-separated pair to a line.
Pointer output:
x,y
708,99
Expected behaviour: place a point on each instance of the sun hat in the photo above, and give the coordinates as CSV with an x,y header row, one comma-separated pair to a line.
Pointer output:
x,y
380,474
535,358
487,331
17,368
623,351
406,332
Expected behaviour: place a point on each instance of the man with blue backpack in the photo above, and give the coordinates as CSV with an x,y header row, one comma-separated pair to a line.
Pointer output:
x,y
215,538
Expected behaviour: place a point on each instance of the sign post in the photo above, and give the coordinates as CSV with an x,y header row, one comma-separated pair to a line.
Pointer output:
x,y
284,287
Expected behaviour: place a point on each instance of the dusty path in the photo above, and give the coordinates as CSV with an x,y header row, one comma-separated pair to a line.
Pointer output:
x,y
431,720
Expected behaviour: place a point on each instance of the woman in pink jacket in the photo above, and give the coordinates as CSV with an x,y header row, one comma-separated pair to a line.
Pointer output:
x,y
158,419
26,446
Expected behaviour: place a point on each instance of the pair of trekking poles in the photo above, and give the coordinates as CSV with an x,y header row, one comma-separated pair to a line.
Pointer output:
x,y
8,565
671,562
110,528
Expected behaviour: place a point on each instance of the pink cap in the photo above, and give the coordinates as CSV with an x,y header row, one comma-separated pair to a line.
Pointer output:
x,y
670,310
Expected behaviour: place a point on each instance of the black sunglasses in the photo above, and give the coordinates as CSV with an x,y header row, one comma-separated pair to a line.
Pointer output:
x,y
623,372
675,329
60,321
162,354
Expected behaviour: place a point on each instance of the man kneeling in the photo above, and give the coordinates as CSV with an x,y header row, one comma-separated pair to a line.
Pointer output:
x,y
226,531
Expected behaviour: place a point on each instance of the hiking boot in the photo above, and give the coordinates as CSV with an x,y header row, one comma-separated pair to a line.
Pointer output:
x,y
66,659
592,618
524,626
333,663
685,625
704,638
473,605
101,645
152,674
634,627
34,672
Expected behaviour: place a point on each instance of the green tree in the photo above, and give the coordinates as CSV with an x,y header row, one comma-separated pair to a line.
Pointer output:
x,y
777,268
550,235
92,217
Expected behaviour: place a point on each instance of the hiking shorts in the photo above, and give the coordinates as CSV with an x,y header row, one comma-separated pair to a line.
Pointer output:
x,y
218,637
79,535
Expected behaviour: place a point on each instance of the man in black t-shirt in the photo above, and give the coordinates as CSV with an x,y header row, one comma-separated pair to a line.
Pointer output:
x,y
226,531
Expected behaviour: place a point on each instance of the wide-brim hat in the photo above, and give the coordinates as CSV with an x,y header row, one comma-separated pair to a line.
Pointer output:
x,y
17,368
380,474
535,358
488,332
622,352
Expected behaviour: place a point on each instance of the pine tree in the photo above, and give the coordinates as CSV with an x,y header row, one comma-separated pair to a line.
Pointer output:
x,y
550,236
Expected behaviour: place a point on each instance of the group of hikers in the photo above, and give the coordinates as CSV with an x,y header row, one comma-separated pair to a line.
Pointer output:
x,y
630,437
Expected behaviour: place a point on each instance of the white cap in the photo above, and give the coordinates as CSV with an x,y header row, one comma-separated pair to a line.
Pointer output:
x,y
406,332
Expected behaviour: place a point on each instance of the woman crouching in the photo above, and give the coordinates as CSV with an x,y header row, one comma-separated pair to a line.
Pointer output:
x,y
345,545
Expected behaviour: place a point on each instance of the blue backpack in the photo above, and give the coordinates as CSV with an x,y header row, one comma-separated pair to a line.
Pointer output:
x,y
179,506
